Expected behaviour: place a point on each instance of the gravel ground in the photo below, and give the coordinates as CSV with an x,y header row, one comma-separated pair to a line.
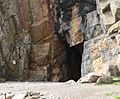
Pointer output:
x,y
69,90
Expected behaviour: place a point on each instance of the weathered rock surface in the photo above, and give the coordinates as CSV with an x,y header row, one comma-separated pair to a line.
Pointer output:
x,y
114,28
89,78
101,54
14,43
29,49
75,22
29,46
36,37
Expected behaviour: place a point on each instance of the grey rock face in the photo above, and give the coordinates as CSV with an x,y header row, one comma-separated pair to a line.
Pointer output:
x,y
14,43
74,22
93,28
30,49
101,53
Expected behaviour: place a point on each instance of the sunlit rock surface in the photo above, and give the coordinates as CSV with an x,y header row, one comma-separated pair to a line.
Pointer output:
x,y
101,54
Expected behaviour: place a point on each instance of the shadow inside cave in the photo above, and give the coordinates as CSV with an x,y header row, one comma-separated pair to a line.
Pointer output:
x,y
73,60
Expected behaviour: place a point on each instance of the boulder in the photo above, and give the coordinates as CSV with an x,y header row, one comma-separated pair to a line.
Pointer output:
x,y
105,80
70,82
89,78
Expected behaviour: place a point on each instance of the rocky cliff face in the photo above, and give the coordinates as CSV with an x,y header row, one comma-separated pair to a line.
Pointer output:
x,y
48,40
101,54
14,42
29,48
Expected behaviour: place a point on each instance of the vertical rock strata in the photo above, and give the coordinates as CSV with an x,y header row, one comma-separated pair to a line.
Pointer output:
x,y
28,47
14,42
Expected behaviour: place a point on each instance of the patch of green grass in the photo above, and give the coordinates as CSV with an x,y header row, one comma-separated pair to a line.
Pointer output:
x,y
113,95
116,97
117,83
109,94
116,78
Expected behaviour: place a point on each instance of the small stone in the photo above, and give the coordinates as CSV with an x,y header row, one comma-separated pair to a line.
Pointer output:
x,y
32,97
70,82
9,96
42,97
19,96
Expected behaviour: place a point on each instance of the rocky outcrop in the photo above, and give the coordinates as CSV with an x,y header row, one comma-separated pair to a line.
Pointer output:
x,y
29,49
77,21
47,53
14,43
101,54
42,40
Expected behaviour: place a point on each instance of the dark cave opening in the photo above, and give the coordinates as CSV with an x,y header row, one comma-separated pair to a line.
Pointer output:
x,y
65,13
73,60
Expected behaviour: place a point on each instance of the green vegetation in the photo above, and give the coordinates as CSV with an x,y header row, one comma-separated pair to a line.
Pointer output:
x,y
117,83
116,78
116,97
109,94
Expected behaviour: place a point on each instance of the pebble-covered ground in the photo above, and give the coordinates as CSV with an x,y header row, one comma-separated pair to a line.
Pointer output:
x,y
68,90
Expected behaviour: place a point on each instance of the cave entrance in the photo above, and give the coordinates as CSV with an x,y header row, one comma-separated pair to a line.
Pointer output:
x,y
74,59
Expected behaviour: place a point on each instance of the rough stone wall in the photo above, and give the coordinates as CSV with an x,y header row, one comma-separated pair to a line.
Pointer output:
x,y
102,54
77,20
28,46
35,51
47,53
14,43
36,34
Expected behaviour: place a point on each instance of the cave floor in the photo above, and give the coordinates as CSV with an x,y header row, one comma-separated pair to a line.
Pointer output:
x,y
69,90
